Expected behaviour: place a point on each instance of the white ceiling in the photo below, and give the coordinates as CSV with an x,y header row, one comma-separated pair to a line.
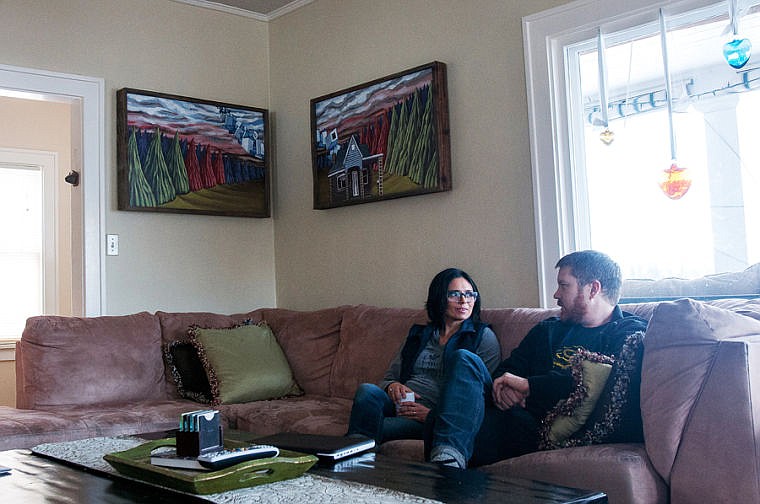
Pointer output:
x,y
259,9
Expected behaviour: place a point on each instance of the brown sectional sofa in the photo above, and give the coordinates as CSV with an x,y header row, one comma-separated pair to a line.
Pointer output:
x,y
85,377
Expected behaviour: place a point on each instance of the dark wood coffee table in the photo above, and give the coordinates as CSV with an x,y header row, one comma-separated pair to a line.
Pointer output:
x,y
447,484
38,479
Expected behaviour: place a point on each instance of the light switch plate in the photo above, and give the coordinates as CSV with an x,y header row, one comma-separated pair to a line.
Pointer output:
x,y
112,244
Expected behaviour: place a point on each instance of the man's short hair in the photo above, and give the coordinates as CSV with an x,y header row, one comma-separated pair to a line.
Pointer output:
x,y
590,265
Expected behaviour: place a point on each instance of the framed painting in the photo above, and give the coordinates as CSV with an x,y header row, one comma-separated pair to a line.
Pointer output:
x,y
185,155
385,139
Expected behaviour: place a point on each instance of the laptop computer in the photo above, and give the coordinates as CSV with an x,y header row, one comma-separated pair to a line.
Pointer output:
x,y
323,446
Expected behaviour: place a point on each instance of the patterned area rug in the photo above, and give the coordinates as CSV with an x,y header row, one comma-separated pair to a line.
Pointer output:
x,y
306,488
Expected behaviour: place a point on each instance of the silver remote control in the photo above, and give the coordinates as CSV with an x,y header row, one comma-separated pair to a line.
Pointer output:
x,y
220,459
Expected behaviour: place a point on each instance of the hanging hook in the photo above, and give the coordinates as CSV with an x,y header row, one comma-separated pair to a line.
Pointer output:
x,y
72,178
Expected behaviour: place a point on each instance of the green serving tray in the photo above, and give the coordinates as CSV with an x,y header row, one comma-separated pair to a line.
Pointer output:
x,y
135,463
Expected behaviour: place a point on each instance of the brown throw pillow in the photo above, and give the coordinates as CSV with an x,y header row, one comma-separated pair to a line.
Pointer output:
x,y
188,371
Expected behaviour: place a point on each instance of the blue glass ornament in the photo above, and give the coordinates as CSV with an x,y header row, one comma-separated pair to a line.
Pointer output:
x,y
737,52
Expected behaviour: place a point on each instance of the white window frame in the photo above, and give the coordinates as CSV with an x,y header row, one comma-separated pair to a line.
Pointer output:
x,y
47,164
545,34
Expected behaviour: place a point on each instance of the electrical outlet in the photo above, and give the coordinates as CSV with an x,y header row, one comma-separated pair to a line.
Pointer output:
x,y
112,244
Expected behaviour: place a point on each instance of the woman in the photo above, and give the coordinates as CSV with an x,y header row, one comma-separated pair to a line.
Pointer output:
x,y
453,308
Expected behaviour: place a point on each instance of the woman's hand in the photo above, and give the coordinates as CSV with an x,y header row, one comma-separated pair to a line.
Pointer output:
x,y
396,391
413,410
408,409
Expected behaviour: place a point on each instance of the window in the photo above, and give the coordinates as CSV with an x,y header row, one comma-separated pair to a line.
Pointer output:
x,y
608,196
28,254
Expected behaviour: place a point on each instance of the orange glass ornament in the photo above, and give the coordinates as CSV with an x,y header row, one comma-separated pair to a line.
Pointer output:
x,y
676,182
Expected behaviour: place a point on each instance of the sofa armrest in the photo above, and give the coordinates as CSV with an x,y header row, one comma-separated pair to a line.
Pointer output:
x,y
90,360
700,402
622,471
719,455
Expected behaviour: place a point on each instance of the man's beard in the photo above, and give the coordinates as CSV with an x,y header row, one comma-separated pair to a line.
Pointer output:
x,y
576,312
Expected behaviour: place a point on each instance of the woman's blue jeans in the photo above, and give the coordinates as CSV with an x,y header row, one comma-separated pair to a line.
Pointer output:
x,y
467,421
374,415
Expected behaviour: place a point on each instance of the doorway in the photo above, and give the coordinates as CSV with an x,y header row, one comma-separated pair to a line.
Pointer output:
x,y
85,97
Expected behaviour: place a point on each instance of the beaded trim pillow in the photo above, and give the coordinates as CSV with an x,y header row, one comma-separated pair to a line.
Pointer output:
x,y
244,364
616,416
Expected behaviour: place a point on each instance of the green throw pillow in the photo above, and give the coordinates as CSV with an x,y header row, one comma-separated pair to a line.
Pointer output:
x,y
590,373
244,364
595,375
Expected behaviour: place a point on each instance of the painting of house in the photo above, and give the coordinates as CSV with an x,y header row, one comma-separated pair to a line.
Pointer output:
x,y
381,140
349,177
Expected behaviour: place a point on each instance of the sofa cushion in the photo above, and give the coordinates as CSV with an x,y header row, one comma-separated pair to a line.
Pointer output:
x,y
104,360
243,364
682,349
311,414
512,324
22,428
310,340
369,338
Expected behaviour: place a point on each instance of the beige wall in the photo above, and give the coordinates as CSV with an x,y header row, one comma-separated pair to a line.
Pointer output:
x,y
380,253
8,383
166,261
385,253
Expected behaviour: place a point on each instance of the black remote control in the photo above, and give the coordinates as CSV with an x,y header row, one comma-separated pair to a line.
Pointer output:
x,y
219,459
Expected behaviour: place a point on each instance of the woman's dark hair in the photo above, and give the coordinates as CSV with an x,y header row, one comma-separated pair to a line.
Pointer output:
x,y
437,300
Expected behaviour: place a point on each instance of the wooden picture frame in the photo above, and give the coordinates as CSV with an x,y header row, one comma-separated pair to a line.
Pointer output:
x,y
385,139
187,155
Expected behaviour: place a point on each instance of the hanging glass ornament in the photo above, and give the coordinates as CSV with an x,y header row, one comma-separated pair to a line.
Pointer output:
x,y
676,181
738,50
606,136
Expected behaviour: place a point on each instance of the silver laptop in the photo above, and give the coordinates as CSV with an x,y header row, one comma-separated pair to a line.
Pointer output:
x,y
323,446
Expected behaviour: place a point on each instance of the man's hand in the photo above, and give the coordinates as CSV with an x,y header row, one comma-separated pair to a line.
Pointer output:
x,y
510,390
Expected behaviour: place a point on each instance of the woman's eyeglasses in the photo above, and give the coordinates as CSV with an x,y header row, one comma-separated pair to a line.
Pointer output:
x,y
455,295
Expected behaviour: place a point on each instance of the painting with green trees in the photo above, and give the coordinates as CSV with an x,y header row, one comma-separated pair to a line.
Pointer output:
x,y
383,139
178,154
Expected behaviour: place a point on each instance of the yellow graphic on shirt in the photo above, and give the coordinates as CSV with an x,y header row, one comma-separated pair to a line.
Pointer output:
x,y
564,355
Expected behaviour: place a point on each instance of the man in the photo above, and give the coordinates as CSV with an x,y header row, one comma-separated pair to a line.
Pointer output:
x,y
481,419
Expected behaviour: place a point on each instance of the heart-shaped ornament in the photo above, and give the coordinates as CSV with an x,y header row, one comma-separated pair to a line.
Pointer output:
x,y
675,182
607,136
737,52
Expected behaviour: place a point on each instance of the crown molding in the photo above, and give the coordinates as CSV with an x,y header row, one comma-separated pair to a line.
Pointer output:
x,y
209,4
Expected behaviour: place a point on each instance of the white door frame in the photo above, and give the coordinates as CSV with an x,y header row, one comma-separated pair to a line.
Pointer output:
x,y
90,91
